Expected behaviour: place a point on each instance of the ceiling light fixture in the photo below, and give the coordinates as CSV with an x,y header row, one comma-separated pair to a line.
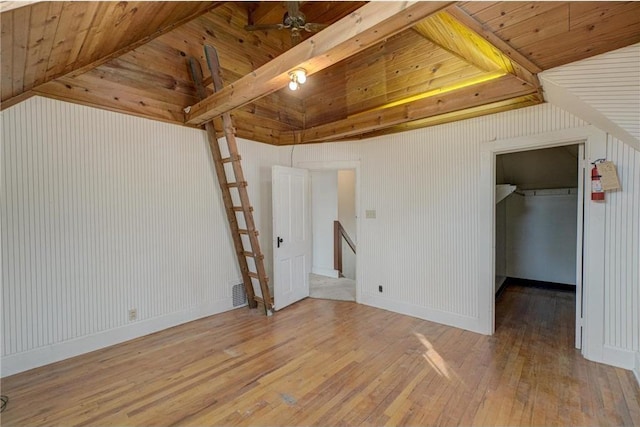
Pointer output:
x,y
298,77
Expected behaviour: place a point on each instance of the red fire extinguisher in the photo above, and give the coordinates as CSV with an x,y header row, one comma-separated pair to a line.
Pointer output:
x,y
597,193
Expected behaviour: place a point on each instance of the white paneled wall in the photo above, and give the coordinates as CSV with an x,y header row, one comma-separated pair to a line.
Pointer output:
x,y
102,213
622,251
423,185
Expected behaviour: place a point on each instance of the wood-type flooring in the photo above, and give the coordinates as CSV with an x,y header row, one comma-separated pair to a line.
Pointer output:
x,y
321,362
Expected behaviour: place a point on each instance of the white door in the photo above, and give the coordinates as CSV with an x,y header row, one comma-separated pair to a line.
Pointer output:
x,y
291,235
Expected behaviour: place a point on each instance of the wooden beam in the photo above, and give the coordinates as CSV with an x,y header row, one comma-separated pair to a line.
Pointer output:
x,y
456,37
467,113
484,31
368,25
16,99
6,6
500,89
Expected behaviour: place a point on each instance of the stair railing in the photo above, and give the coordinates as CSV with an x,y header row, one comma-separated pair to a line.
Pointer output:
x,y
340,233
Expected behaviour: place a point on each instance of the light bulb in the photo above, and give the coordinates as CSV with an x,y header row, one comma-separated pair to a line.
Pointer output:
x,y
302,76
293,85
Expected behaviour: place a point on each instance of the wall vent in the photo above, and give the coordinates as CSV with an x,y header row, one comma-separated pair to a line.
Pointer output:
x,y
239,295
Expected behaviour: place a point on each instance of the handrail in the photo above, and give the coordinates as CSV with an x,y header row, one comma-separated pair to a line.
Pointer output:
x,y
338,233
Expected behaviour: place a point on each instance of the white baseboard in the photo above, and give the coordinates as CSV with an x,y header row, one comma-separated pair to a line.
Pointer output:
x,y
446,318
20,362
636,369
618,357
329,272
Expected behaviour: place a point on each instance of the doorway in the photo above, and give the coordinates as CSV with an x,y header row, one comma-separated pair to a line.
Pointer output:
x,y
334,234
539,224
334,197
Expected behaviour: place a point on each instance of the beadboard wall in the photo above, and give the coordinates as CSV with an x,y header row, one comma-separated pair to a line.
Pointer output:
x,y
422,247
422,244
102,213
622,251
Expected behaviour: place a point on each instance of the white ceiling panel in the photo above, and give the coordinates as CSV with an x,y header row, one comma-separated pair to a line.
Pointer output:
x,y
608,83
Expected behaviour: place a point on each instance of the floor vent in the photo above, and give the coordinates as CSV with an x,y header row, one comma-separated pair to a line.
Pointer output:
x,y
239,295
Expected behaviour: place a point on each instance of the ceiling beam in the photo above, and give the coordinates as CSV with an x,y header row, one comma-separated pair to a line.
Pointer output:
x,y
456,37
16,99
484,31
6,6
467,113
266,13
363,28
108,56
500,89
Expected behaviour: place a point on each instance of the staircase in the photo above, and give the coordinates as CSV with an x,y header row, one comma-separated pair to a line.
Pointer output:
x,y
231,180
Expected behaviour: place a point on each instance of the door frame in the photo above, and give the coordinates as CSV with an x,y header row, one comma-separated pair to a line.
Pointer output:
x,y
595,142
341,165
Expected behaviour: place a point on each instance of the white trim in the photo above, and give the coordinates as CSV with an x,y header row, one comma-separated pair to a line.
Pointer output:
x,y
341,165
430,314
595,145
593,256
636,369
582,171
41,356
617,357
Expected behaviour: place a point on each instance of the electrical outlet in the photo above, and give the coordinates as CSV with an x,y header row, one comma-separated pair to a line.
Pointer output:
x,y
380,288
133,314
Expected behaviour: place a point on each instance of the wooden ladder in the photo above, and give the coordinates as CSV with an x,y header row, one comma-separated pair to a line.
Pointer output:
x,y
232,179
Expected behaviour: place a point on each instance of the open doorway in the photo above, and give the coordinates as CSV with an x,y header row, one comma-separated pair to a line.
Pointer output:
x,y
334,228
538,234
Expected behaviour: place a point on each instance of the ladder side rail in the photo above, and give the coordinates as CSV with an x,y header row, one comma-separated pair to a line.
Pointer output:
x,y
248,215
227,124
214,148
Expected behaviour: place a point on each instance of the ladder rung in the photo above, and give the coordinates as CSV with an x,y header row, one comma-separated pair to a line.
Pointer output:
x,y
237,184
256,276
252,255
241,209
260,300
242,231
235,158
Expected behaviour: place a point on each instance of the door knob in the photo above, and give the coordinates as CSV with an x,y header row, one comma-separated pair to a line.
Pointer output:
x,y
279,241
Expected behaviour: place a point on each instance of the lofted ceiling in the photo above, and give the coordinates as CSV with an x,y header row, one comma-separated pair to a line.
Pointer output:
x,y
377,68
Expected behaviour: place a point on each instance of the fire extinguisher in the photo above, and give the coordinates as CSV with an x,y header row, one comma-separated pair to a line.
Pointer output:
x,y
597,193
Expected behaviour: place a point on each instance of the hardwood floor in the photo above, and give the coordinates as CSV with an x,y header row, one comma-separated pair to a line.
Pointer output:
x,y
323,362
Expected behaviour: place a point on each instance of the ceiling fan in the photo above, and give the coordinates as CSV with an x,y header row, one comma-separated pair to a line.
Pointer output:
x,y
293,20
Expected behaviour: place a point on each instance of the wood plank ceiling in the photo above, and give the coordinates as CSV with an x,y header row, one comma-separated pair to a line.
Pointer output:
x,y
376,69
